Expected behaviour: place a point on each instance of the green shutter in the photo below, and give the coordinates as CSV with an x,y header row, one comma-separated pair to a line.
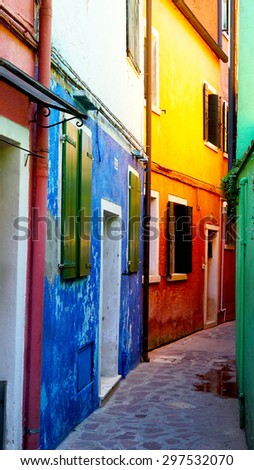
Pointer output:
x,y
69,202
205,112
134,222
85,146
213,120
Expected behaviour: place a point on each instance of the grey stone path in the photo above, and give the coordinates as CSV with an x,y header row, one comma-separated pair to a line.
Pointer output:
x,y
158,406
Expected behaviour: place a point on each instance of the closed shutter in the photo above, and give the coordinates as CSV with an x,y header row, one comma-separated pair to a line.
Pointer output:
x,y
69,202
179,239
170,239
205,112
225,128
85,145
188,240
213,120
134,222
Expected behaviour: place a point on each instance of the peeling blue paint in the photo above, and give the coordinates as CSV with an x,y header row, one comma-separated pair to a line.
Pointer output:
x,y
71,308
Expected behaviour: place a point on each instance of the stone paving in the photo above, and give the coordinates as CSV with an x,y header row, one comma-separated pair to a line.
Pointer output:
x,y
160,406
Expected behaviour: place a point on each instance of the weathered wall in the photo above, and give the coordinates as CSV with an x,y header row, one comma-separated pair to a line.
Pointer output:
x,y
17,45
71,319
176,307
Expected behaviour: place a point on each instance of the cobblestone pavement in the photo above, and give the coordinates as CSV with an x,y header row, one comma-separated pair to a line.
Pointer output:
x,y
162,405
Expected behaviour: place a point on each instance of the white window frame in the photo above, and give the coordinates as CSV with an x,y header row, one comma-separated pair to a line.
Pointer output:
x,y
155,70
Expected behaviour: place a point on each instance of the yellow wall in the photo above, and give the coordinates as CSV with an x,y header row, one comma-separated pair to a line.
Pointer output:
x,y
185,62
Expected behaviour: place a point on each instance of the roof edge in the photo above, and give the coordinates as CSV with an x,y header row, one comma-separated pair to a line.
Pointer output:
x,y
185,10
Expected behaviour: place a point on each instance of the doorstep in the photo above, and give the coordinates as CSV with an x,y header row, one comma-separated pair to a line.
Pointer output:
x,y
108,384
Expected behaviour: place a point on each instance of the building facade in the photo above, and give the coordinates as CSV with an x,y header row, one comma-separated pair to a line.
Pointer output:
x,y
190,260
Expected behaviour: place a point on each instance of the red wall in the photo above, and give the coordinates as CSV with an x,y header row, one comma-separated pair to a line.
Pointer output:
x,y
176,307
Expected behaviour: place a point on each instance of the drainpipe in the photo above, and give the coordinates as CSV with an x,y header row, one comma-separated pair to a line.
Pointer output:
x,y
231,88
241,293
33,353
223,223
147,209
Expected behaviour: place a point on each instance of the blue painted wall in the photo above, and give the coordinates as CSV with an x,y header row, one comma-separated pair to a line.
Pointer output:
x,y
71,311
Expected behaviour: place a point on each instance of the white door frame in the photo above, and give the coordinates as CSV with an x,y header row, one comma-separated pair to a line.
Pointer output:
x,y
13,276
108,210
215,285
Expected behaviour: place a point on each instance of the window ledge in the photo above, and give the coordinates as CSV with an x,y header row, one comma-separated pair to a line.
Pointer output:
x,y
153,278
177,277
155,109
225,34
211,146
134,67
225,155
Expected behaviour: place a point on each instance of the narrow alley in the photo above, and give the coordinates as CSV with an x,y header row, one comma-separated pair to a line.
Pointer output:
x,y
185,398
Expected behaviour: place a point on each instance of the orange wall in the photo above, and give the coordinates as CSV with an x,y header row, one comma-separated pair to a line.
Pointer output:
x,y
206,12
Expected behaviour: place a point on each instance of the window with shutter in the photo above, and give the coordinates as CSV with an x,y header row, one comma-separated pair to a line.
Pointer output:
x,y
211,116
133,32
179,223
225,127
134,222
76,202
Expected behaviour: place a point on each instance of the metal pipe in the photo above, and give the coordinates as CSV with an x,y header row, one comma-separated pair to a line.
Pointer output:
x,y
231,88
223,224
33,353
241,294
147,208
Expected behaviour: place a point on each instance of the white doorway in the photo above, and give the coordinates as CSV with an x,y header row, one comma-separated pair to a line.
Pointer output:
x,y
13,267
110,297
211,288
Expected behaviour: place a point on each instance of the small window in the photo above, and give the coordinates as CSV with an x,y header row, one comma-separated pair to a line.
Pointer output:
x,y
76,202
134,222
225,16
179,224
211,114
133,32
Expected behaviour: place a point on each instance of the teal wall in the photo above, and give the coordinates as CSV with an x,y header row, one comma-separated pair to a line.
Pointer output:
x,y
245,131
